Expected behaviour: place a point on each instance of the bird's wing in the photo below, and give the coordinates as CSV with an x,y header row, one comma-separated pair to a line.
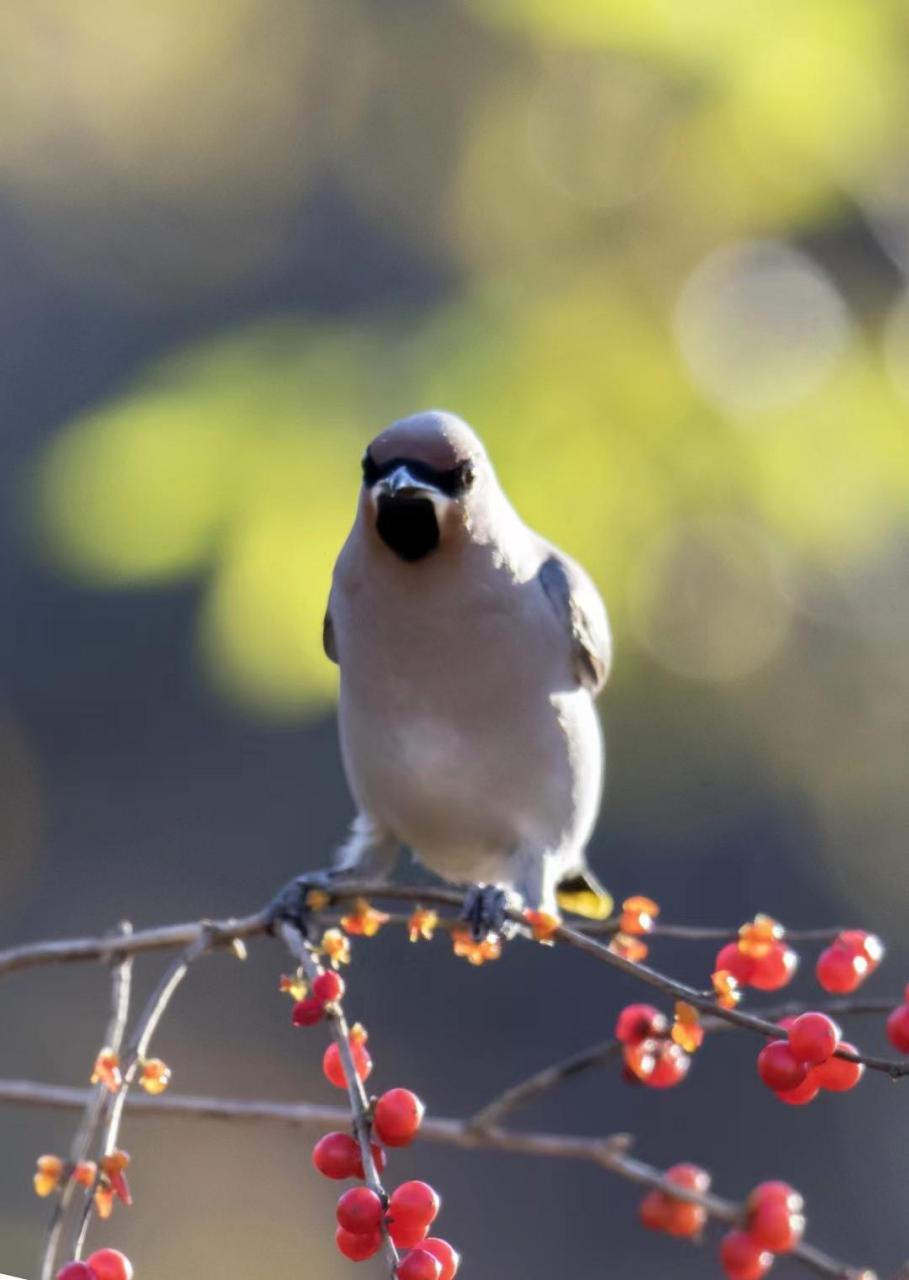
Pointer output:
x,y
328,637
578,606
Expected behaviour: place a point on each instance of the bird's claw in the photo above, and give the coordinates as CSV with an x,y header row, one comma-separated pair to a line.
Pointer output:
x,y
299,898
484,910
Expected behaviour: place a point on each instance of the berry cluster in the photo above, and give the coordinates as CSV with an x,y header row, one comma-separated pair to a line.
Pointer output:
x,y
797,1068
651,1056
365,1215
103,1264
774,1224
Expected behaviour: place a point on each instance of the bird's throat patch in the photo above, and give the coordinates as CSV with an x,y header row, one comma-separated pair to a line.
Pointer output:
x,y
408,526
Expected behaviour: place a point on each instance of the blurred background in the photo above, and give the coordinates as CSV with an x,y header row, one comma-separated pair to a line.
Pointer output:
x,y
656,253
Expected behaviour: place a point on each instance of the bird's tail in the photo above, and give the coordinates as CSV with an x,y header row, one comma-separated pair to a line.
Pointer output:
x,y
583,894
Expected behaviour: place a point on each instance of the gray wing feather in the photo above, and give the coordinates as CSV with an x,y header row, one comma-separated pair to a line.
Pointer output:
x,y
578,605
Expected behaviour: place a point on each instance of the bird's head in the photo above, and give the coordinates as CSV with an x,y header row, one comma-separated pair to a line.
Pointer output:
x,y
421,480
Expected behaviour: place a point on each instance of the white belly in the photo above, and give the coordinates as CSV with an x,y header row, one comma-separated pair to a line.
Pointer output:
x,y
463,731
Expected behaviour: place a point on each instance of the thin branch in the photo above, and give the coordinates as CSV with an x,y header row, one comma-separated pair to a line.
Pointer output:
x,y
135,1053
225,931
518,1095
610,1153
597,1055
121,987
67,950
707,1002
360,1111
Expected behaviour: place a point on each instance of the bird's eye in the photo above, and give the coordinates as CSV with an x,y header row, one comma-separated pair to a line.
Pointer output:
x,y
466,476
370,470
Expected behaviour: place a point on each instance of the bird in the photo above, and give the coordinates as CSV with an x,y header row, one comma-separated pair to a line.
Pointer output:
x,y
471,652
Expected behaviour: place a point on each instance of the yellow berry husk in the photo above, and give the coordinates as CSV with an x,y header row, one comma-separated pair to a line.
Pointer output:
x,y
107,1070
155,1076
630,948
48,1174
85,1172
422,924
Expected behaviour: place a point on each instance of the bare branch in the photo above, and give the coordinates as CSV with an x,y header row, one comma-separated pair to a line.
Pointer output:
x,y
223,932
121,986
135,1053
610,1153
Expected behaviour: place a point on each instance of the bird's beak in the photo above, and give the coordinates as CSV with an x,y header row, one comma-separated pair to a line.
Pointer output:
x,y
402,483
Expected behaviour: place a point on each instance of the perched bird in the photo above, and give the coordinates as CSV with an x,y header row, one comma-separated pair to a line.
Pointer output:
x,y
470,651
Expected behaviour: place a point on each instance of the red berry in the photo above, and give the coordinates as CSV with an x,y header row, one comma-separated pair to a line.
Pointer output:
x,y
358,1247
407,1235
803,1093
773,1227
413,1204
775,1189
813,1037
449,1259
737,962
420,1265
742,1259
898,1028
306,1013
661,1211
378,1159
774,968
670,1065
359,1211
337,1155
76,1271
334,1071
110,1264
864,944
774,1216
639,1022
840,970
653,1210
328,986
778,1066
838,1074
690,1176
397,1117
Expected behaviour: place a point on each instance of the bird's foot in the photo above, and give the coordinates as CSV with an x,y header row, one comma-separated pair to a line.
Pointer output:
x,y
484,910
299,899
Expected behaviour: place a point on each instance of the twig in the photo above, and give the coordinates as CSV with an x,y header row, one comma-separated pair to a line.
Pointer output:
x,y
707,1002
121,985
67,950
135,1053
223,932
609,1153
518,1095
359,1100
